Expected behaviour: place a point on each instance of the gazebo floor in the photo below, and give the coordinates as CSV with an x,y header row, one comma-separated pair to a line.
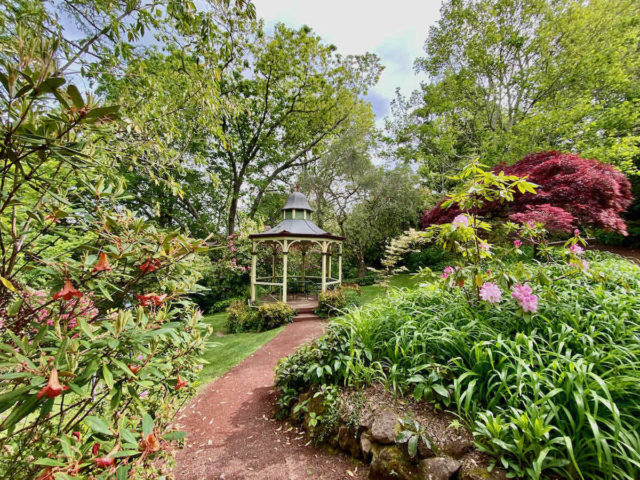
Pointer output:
x,y
301,302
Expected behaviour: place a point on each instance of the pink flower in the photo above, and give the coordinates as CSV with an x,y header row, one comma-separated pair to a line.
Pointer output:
x,y
231,244
527,300
490,292
484,246
517,243
576,232
583,265
461,221
446,272
576,249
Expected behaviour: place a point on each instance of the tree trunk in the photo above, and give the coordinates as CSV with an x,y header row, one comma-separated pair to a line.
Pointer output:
x,y
233,207
362,268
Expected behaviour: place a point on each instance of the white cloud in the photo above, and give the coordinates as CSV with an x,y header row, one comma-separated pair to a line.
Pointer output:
x,y
394,30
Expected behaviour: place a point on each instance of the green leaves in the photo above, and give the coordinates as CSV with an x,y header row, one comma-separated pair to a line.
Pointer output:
x,y
98,425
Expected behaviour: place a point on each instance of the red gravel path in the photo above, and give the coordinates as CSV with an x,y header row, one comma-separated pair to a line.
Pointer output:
x,y
232,433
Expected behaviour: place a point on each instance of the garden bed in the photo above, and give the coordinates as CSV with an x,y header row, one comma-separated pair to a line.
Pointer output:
x,y
553,393
400,438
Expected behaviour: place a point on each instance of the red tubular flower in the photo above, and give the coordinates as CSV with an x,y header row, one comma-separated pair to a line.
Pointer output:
x,y
150,299
134,368
76,435
144,300
95,449
150,265
150,444
53,388
103,264
103,462
181,383
67,292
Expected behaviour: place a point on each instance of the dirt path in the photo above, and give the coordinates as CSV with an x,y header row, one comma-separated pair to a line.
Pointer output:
x,y
232,433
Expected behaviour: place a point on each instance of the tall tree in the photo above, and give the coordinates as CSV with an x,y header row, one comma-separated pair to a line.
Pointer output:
x,y
343,175
289,96
506,77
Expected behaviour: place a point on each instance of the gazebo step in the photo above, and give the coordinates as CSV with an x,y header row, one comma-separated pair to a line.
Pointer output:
x,y
309,309
303,317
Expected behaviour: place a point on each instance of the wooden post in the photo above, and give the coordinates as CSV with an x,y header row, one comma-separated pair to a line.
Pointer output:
x,y
254,262
329,269
340,265
324,266
304,257
285,261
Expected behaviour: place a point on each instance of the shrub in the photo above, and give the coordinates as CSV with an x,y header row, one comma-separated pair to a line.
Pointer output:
x,y
333,302
242,318
272,315
550,393
98,348
368,279
572,192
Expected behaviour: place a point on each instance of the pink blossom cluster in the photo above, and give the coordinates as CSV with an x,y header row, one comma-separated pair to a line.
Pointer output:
x,y
582,265
490,292
446,272
461,221
576,249
484,246
517,243
525,297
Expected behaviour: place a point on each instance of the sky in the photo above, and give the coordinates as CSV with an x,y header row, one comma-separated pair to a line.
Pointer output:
x,y
395,30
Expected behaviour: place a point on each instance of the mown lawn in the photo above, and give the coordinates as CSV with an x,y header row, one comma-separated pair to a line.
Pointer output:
x,y
232,348
371,292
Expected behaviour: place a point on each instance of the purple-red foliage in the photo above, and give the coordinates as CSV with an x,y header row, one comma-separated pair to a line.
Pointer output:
x,y
572,192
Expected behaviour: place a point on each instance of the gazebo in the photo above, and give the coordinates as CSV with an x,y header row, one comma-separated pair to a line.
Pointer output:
x,y
296,230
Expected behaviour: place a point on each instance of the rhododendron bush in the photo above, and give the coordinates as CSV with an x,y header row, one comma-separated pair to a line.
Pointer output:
x,y
571,192
97,347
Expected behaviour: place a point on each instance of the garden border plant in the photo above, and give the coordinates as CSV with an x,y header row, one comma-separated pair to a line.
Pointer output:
x,y
547,378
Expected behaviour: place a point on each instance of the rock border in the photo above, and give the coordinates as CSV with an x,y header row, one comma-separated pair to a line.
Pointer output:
x,y
371,426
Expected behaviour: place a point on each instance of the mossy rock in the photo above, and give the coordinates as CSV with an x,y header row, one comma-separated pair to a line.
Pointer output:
x,y
390,463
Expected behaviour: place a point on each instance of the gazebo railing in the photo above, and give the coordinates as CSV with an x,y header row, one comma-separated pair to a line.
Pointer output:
x,y
268,280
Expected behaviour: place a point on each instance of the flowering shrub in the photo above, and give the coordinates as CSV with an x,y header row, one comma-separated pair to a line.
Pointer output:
x,y
227,275
571,191
541,359
97,347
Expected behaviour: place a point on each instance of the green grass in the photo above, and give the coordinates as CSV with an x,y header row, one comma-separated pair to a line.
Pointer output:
x,y
231,348
371,292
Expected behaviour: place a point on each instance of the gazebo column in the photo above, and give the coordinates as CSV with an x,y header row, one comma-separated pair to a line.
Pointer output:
x,y
285,262
340,264
254,259
329,269
324,267
304,266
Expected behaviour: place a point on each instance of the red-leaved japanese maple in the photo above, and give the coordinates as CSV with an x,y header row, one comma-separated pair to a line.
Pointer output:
x,y
573,191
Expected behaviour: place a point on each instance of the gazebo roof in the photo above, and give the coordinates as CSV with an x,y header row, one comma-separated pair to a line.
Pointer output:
x,y
297,201
303,228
